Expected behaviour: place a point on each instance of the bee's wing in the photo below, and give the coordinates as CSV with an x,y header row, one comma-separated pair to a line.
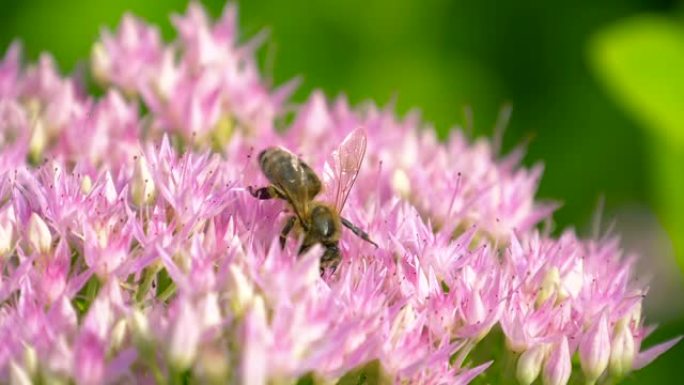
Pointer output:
x,y
342,167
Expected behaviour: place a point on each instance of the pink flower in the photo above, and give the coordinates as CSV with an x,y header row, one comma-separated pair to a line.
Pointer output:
x,y
132,251
129,58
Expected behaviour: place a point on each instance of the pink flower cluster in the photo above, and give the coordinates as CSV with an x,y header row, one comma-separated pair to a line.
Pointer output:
x,y
132,252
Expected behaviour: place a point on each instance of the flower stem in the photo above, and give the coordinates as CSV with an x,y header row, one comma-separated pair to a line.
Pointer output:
x,y
169,291
149,274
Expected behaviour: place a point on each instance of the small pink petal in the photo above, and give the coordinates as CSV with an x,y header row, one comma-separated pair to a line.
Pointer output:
x,y
647,356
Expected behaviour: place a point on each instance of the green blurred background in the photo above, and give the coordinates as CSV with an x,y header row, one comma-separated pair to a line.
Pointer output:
x,y
598,86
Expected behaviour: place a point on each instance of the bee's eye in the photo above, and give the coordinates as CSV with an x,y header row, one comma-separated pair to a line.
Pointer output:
x,y
262,154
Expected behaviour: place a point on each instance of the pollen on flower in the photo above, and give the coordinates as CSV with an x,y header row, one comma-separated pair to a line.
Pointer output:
x,y
137,253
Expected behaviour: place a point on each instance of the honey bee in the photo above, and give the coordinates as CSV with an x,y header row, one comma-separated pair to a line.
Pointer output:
x,y
295,182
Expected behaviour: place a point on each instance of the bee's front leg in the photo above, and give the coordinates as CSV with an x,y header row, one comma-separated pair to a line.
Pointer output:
x,y
286,230
268,192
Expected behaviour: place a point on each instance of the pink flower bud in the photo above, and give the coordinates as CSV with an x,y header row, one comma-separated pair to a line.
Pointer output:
x,y
30,360
5,238
86,185
39,235
254,361
39,138
212,366
240,290
184,339
549,286
622,350
572,281
62,314
594,350
475,311
18,375
118,334
558,366
140,328
209,312
54,280
404,321
143,189
530,364
167,77
100,63
401,183
89,365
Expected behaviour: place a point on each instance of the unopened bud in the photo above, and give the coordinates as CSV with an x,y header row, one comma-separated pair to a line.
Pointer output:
x,y
622,350
86,185
549,285
165,82
476,312
594,350
184,339
142,186
558,366
30,360
212,366
39,235
401,183
5,238
259,308
240,290
39,138
118,335
573,281
403,321
634,316
254,347
222,132
209,311
140,326
18,375
530,364
100,63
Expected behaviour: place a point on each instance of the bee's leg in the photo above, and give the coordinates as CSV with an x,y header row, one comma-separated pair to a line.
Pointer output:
x,y
359,233
286,230
304,248
330,259
268,192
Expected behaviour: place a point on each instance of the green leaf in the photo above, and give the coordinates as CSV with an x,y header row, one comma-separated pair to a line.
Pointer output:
x,y
86,295
368,374
307,379
641,62
669,173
